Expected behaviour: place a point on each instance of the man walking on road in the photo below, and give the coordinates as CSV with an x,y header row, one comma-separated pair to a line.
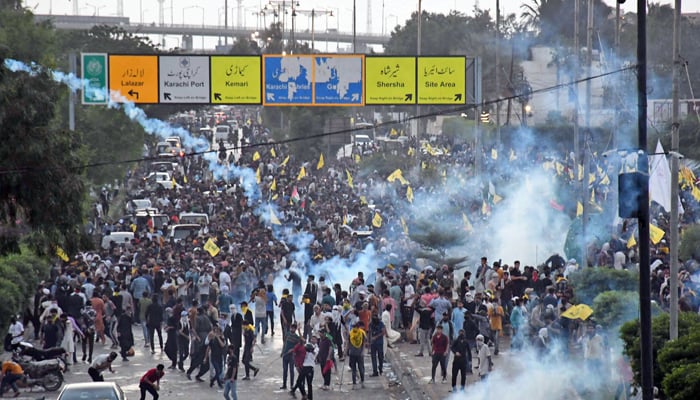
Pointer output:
x,y
356,346
483,356
150,381
462,360
439,344
99,364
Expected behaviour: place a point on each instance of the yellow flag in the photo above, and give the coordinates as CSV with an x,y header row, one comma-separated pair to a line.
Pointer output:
x,y
497,199
404,226
349,179
696,193
591,178
631,242
357,159
494,154
275,196
655,233
211,247
363,200
409,194
184,178
397,175
484,208
467,225
174,182
559,167
580,172
62,254
579,209
273,218
302,174
272,152
320,162
257,175
605,180
286,160
377,220
424,165
256,156
411,151
273,187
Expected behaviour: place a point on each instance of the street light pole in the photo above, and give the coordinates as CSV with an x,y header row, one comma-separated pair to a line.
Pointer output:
x,y
354,26
675,142
498,73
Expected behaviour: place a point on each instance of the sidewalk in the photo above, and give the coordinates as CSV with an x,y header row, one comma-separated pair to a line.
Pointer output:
x,y
415,372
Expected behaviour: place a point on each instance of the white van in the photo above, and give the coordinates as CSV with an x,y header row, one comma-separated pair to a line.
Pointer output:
x,y
119,238
200,219
221,132
179,232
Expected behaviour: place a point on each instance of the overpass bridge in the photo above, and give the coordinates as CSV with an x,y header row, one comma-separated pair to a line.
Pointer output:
x,y
85,22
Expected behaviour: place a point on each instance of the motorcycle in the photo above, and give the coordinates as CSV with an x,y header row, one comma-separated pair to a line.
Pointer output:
x,y
47,374
27,349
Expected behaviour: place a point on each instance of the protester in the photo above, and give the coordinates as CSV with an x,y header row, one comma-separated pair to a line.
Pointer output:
x,y
99,364
483,355
355,350
11,373
150,381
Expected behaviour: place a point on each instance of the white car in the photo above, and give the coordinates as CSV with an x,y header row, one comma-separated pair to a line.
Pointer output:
x,y
92,391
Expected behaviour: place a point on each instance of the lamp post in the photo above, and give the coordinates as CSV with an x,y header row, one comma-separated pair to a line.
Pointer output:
x,y
183,18
95,9
354,26
313,13
144,12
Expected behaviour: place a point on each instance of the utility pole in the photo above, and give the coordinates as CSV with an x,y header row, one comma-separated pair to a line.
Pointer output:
x,y
577,139
587,132
675,142
73,66
498,73
646,343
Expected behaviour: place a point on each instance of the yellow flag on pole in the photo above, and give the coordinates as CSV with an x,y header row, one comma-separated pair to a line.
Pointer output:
x,y
286,160
257,175
579,209
320,163
302,174
494,154
272,152
404,226
256,156
377,220
357,159
349,179
273,218
62,254
411,151
631,242
655,233
211,247
467,225
397,174
409,194
273,186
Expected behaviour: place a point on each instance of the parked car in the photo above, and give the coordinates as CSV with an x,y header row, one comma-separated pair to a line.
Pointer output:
x,y
92,391
119,238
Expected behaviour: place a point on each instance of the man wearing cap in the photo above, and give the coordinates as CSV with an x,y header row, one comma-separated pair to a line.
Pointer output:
x,y
483,356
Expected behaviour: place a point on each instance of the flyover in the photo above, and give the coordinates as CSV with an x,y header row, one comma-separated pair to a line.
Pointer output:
x,y
85,22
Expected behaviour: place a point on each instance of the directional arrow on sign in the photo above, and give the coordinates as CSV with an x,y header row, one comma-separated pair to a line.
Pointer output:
x,y
355,97
409,97
166,96
458,97
217,96
270,97
133,94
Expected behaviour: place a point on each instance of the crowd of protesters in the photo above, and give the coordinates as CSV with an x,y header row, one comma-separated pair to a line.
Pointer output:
x,y
210,309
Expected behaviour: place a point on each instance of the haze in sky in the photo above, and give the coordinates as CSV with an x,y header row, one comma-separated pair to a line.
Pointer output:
x,y
381,17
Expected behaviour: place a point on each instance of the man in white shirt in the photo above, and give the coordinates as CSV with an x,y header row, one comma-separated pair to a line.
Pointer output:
x,y
99,364
17,332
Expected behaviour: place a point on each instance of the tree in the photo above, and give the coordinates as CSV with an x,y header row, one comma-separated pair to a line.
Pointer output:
x,y
629,333
590,282
683,383
19,276
41,187
553,21
613,308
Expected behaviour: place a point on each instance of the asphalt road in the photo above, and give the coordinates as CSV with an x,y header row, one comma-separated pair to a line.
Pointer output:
x,y
175,385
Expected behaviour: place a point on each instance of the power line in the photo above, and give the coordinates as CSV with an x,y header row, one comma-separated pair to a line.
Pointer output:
x,y
451,110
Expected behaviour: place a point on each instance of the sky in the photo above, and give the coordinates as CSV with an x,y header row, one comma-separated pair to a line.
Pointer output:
x,y
385,14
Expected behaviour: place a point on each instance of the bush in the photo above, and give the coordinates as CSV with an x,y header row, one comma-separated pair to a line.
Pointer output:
x,y
677,353
19,276
590,282
690,243
613,308
683,383
630,335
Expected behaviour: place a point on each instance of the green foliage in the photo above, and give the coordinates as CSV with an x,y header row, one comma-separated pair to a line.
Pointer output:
x,y
613,308
676,353
19,275
630,335
459,130
690,243
683,383
590,282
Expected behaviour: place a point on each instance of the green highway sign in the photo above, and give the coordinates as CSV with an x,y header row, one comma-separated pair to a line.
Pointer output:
x,y
94,74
